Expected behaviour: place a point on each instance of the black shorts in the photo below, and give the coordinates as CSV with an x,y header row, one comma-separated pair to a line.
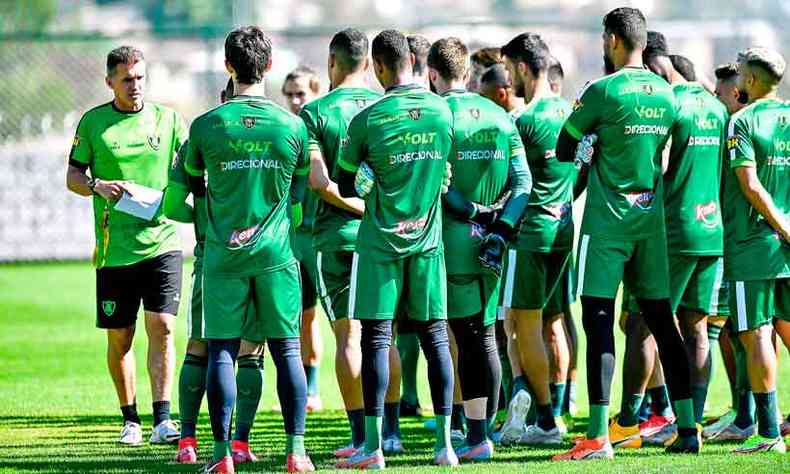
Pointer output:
x,y
155,281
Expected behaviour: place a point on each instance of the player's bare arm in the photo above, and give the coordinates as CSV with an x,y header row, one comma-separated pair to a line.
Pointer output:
x,y
321,183
79,182
761,200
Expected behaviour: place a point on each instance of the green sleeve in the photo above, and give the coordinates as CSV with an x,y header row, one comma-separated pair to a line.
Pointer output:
x,y
310,119
194,163
353,152
587,110
81,151
681,133
175,205
739,142
520,186
302,170
181,132
178,174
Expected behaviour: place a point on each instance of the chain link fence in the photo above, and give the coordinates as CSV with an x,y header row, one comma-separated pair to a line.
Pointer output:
x,y
49,82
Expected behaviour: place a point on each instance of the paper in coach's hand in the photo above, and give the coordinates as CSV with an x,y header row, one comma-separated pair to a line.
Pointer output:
x,y
139,201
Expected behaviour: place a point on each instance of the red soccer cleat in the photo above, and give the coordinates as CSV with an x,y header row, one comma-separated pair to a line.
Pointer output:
x,y
187,451
654,424
299,463
223,466
241,452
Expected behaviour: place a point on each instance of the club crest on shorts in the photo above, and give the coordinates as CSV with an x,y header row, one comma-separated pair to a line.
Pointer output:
x,y
108,307
248,122
154,141
415,114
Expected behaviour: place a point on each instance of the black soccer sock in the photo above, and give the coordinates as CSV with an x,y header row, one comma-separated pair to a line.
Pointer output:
x,y
291,383
391,426
436,347
598,323
161,410
129,413
221,385
356,418
476,433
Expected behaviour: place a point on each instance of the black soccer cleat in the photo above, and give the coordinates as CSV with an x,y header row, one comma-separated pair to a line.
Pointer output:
x,y
690,444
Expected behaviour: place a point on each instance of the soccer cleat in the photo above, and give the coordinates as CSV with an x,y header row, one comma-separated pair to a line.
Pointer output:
x,y
457,437
363,460
713,429
224,466
686,444
445,457
409,410
654,424
131,434
346,451
759,444
624,436
561,425
165,432
187,451
587,449
299,463
535,435
392,445
478,452
784,428
241,452
314,404
734,433
514,427
661,438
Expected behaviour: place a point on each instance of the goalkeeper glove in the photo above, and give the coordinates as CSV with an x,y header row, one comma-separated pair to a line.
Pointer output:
x,y
364,180
492,253
585,150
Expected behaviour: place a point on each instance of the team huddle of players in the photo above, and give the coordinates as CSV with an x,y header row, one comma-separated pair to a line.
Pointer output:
x,y
429,210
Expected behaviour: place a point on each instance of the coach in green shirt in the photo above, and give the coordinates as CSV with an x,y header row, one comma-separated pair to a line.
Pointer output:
x,y
128,141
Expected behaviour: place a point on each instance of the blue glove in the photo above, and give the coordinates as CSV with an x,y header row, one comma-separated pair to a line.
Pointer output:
x,y
585,150
364,180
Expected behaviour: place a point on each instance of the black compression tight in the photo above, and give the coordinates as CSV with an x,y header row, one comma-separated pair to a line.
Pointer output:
x,y
674,359
598,322
478,360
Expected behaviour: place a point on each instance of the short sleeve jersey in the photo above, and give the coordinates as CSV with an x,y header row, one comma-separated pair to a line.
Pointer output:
x,y
632,111
131,146
406,138
327,122
179,177
548,220
759,137
249,148
692,181
486,141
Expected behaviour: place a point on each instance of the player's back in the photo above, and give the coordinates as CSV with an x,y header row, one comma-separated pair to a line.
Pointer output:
x,y
548,221
691,182
327,120
250,148
409,137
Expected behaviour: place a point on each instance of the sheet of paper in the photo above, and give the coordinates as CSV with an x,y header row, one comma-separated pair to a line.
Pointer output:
x,y
140,201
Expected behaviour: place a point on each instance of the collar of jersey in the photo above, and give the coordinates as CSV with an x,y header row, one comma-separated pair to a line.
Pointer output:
x,y
126,112
402,88
248,97
454,91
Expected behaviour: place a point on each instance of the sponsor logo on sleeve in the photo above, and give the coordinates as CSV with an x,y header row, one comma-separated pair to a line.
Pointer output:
x,y
732,143
76,142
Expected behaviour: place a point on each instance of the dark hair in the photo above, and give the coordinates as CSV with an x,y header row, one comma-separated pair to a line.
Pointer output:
x,y
248,50
727,71
450,58
305,71
350,47
123,55
530,49
419,47
655,46
391,48
555,73
628,24
496,75
684,66
487,57
230,89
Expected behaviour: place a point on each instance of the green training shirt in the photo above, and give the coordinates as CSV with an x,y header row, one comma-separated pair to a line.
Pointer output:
x,y
548,220
406,138
486,141
758,136
137,147
179,177
632,111
692,181
250,148
327,122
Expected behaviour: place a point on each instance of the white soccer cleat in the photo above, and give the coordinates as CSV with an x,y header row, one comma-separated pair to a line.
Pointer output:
x,y
515,422
713,429
166,432
535,435
457,437
733,433
667,433
392,445
131,434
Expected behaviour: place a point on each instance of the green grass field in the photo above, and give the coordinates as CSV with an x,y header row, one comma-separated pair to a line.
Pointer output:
x,y
58,411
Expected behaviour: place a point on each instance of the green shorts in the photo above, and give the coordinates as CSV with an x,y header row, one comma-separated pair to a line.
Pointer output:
x,y
564,294
195,327
333,271
642,264
415,286
468,295
302,246
532,277
696,284
256,308
757,303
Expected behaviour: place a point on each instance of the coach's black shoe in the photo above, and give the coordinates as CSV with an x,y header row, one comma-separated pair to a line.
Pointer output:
x,y
689,444
410,410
